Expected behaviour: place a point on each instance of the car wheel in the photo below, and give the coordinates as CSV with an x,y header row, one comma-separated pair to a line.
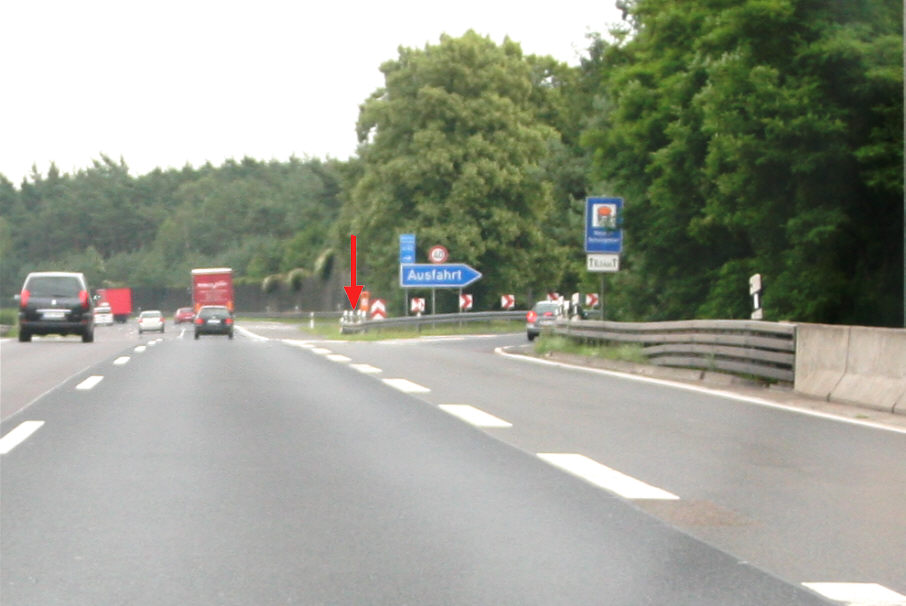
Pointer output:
x,y
88,336
196,336
231,334
24,337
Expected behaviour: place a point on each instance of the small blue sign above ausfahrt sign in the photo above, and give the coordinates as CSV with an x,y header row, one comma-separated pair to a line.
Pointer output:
x,y
407,248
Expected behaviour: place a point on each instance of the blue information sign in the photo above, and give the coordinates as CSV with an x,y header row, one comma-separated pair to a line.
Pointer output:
x,y
603,225
407,248
442,275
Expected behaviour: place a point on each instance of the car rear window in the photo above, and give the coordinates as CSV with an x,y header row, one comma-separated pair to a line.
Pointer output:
x,y
150,314
546,307
213,312
53,286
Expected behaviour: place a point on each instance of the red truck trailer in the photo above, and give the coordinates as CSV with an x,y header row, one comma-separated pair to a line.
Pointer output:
x,y
212,286
119,300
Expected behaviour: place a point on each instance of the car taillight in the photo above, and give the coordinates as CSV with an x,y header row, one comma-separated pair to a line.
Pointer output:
x,y
229,321
83,297
548,314
531,316
23,298
199,321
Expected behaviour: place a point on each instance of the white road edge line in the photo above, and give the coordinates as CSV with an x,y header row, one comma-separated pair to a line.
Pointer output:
x,y
474,416
18,435
859,594
705,390
140,349
90,382
321,351
121,360
406,386
338,358
605,477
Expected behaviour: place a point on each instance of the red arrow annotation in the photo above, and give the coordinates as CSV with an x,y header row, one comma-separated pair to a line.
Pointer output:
x,y
353,291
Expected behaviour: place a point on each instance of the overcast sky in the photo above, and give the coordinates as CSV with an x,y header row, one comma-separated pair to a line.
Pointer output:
x,y
166,83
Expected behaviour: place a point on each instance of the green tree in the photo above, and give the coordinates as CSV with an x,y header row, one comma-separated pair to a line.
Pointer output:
x,y
452,150
763,135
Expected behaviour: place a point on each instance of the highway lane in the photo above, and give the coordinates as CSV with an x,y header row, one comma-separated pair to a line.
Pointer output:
x,y
806,498
252,471
28,370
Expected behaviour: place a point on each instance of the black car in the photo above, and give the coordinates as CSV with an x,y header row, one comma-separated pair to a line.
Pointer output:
x,y
55,303
214,320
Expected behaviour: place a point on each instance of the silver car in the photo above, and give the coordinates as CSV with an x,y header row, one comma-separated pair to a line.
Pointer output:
x,y
543,315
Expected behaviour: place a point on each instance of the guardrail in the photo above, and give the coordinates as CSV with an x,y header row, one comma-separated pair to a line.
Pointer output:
x,y
760,349
354,325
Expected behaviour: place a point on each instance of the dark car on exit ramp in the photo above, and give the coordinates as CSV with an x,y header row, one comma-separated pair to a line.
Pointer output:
x,y
543,315
214,320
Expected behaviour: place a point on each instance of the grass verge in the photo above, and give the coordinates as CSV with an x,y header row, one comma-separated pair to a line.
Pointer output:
x,y
627,352
330,329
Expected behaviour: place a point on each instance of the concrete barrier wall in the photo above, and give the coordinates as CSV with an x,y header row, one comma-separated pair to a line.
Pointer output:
x,y
854,364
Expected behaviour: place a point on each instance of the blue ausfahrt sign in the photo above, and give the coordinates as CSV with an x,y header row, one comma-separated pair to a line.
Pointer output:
x,y
443,275
603,225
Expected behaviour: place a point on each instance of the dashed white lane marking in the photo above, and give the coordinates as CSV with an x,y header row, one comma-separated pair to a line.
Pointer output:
x,y
321,351
406,386
605,477
121,360
140,349
367,369
473,415
859,594
297,343
18,435
90,382
245,332
338,358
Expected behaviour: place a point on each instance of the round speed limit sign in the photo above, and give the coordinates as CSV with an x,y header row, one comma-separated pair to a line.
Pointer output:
x,y
438,254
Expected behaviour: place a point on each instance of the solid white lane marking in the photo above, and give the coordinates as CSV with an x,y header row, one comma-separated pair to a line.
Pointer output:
x,y
321,351
18,435
605,477
121,360
367,369
704,390
406,386
140,349
473,415
859,594
90,382
338,358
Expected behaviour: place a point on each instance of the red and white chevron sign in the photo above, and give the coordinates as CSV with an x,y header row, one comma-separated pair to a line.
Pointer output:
x,y
507,302
591,299
378,309
553,296
465,302
417,305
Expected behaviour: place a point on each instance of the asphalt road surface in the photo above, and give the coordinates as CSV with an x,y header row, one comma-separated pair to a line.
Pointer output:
x,y
271,469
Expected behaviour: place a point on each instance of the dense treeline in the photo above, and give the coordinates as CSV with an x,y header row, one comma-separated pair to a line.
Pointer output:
x,y
745,136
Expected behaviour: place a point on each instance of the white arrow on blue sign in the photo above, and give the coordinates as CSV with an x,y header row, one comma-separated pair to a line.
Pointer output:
x,y
443,275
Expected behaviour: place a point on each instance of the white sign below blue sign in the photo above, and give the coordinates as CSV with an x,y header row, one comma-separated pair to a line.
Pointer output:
x,y
603,225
